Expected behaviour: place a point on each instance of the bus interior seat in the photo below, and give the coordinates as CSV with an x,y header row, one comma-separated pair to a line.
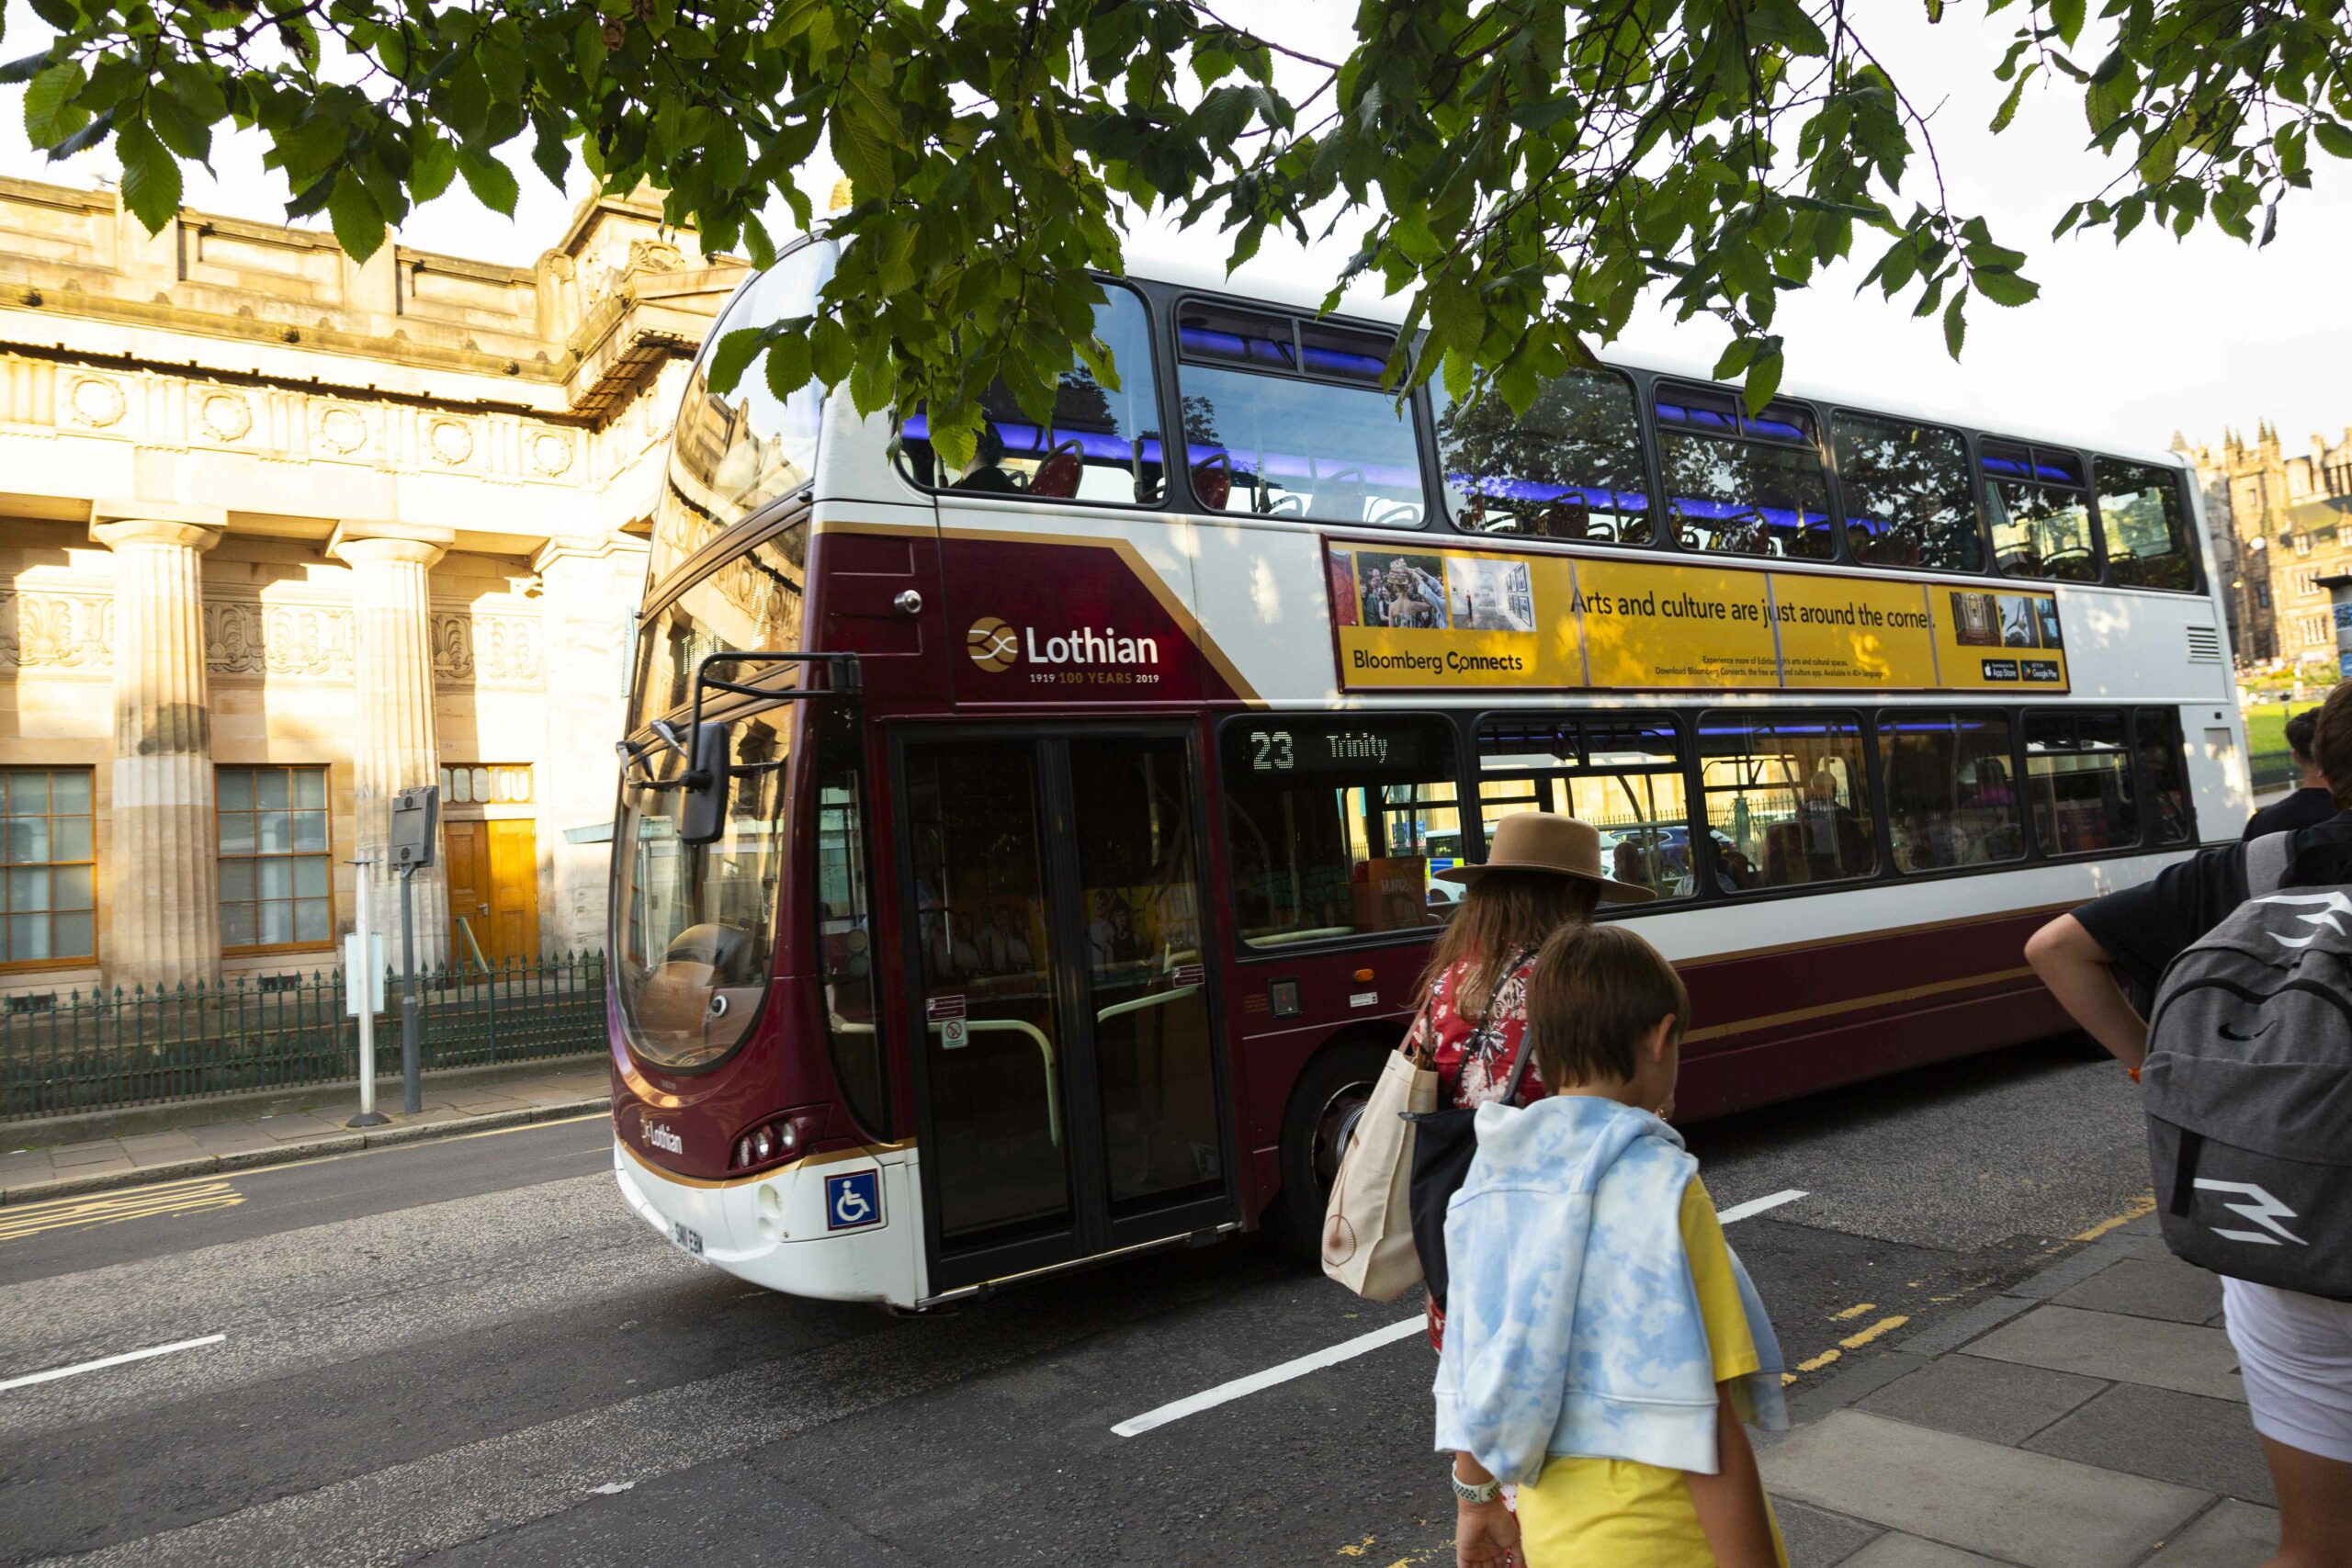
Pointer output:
x,y
1058,474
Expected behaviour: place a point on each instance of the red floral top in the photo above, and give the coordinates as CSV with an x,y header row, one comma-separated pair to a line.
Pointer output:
x,y
1472,1062
1473,1055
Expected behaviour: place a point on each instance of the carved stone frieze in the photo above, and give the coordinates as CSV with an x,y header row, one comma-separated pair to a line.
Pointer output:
x,y
487,651
62,632
247,637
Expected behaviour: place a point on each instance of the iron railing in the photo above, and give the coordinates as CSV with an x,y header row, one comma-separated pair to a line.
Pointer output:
x,y
106,1049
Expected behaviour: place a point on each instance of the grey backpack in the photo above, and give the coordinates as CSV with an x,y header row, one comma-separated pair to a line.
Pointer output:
x,y
2248,1087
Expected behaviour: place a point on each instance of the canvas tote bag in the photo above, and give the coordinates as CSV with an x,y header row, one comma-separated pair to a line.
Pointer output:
x,y
1368,1228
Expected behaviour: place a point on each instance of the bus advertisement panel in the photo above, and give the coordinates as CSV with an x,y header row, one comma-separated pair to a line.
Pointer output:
x,y
1479,619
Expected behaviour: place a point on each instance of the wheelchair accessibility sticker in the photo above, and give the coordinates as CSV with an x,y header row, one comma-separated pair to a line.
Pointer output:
x,y
853,1201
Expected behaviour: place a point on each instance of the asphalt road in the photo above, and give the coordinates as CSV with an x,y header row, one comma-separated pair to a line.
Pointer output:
x,y
469,1352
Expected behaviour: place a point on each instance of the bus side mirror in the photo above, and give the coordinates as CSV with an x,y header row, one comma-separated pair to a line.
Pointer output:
x,y
702,814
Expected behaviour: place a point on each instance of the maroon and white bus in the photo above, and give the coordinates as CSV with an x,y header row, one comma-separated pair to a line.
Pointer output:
x,y
1022,866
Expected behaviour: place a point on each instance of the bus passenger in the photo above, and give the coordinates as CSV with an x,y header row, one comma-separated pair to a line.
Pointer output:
x,y
2312,802
1575,1249
987,473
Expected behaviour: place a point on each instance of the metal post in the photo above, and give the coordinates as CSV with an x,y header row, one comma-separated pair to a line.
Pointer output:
x,y
411,1008
2339,593
361,975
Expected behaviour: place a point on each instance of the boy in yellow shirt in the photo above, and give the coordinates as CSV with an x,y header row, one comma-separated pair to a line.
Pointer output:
x,y
1603,1344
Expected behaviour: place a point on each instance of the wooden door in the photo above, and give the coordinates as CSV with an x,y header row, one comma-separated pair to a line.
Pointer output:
x,y
514,891
467,847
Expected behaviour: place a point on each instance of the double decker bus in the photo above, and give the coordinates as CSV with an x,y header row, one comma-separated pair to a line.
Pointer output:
x,y
1023,864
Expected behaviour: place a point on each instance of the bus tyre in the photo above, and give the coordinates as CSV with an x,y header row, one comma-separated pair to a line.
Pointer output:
x,y
1324,1107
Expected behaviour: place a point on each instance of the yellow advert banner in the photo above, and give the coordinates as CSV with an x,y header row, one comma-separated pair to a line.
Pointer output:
x,y
1407,618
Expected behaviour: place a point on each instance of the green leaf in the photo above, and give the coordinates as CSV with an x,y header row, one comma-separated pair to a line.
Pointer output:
x,y
2008,108
49,98
2003,287
2333,137
491,181
151,177
789,365
830,352
180,130
2066,16
1763,380
1955,325
726,361
433,163
359,226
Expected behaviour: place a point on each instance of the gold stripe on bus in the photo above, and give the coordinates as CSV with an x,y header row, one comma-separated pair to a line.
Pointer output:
x,y
1186,622
1829,1009
835,1156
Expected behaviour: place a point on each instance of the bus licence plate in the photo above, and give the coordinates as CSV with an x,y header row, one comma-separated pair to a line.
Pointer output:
x,y
687,1240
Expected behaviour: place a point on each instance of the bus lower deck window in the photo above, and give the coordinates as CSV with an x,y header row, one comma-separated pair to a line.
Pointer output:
x,y
2079,777
1949,798
1788,799
1621,773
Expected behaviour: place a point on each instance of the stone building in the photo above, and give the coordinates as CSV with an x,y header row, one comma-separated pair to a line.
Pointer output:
x,y
282,533
2289,517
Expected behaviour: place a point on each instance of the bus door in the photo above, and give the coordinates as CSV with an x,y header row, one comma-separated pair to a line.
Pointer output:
x,y
1072,1093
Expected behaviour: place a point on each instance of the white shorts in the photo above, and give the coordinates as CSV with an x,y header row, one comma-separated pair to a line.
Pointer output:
x,y
2296,1353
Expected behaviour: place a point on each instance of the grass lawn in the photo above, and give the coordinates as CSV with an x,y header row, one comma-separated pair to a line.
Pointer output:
x,y
2266,738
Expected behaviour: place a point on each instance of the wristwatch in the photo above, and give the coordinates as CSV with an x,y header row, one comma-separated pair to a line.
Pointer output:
x,y
1474,1491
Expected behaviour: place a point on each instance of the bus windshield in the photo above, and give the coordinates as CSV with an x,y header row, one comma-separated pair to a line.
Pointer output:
x,y
696,937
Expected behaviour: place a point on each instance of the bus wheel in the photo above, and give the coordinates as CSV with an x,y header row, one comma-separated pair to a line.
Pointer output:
x,y
1325,1106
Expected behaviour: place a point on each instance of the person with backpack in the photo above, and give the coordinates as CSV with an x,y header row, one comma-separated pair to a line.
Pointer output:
x,y
2245,1066
1606,1345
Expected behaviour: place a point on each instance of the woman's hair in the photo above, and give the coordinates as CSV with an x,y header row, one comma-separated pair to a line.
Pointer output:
x,y
1595,992
2331,744
1502,915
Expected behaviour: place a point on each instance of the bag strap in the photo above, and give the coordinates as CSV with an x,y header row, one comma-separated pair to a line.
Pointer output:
x,y
2184,1172
2267,861
1519,1061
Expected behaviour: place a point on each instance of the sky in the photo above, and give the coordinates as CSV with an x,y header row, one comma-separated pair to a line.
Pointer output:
x,y
2127,343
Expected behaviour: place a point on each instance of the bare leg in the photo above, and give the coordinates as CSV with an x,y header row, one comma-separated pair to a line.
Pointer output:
x,y
2315,1507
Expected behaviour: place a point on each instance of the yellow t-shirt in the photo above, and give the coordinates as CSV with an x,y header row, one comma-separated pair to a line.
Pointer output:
x,y
1616,1511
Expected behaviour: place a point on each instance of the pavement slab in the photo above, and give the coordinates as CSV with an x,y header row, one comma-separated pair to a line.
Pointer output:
x,y
1895,1550
1819,1539
2170,1289
2023,1508
1976,1397
2232,1535
2206,1443
2186,1358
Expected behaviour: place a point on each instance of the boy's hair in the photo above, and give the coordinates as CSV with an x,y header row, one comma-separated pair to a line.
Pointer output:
x,y
2331,744
2300,731
1594,992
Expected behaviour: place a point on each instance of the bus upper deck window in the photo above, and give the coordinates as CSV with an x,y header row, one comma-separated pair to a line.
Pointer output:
x,y
1738,483
1100,443
2039,512
1335,824
1570,467
2140,512
1621,773
1287,419
1908,501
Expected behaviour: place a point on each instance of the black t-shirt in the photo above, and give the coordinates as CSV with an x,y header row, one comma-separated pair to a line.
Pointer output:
x,y
2307,807
2144,928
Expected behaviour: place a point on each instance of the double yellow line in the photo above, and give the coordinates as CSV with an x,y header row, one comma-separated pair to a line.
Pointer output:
x,y
191,1197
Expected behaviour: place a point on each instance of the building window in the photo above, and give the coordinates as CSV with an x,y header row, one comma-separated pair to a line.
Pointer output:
x,y
48,867
274,861
2316,631
2307,580
2262,595
2303,544
486,784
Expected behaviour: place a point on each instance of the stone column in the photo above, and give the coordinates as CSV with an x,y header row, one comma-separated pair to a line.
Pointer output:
x,y
162,876
393,742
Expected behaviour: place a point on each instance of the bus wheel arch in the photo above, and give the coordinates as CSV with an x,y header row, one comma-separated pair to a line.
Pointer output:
x,y
1326,1102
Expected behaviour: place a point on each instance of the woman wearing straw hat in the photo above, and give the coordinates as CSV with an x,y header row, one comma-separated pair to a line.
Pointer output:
x,y
1542,871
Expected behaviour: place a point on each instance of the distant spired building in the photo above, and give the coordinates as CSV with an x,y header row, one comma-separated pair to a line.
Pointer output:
x,y
282,533
2282,525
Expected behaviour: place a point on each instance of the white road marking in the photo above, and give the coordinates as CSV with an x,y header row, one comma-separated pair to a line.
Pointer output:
x,y
1348,1350
1240,1387
56,1372
1755,1206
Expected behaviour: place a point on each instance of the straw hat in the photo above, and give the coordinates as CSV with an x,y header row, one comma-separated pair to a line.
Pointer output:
x,y
1544,840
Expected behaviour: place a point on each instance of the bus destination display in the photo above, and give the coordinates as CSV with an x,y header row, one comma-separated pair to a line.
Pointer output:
x,y
1466,619
1288,748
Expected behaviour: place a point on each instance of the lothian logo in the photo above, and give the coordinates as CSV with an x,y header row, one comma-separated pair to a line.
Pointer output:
x,y
661,1138
995,645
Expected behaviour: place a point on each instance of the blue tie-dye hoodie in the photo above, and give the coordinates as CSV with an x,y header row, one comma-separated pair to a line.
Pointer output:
x,y
1572,1325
